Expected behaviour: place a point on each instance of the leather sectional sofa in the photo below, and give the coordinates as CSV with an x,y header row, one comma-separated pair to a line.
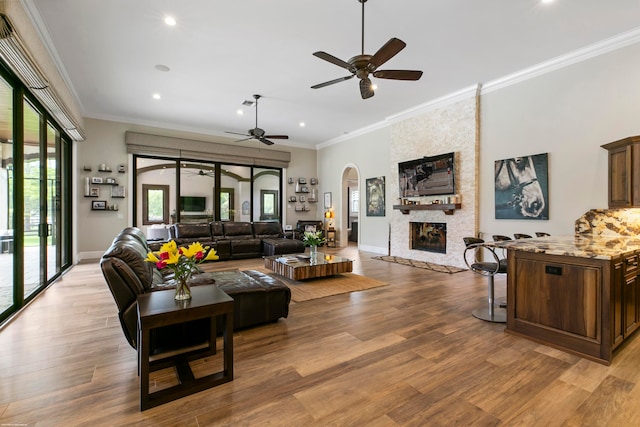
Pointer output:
x,y
258,298
237,240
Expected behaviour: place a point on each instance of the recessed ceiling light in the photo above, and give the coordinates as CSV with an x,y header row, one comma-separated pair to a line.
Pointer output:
x,y
547,1
302,124
170,21
240,112
374,87
161,67
156,96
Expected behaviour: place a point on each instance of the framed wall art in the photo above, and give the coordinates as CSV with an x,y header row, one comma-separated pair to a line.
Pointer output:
x,y
327,200
98,205
521,188
375,196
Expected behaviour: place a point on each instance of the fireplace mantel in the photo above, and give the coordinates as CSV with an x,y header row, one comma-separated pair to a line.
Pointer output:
x,y
448,209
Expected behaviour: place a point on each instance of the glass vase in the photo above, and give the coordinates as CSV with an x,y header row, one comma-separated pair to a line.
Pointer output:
x,y
183,290
313,251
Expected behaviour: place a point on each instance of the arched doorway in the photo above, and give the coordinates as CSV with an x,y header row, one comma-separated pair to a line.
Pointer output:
x,y
350,206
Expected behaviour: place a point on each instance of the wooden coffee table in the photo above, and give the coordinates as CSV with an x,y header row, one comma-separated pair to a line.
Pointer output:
x,y
301,267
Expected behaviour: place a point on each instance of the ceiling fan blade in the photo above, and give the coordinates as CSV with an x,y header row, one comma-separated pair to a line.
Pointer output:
x,y
236,133
245,139
330,58
265,141
398,74
386,52
277,136
330,82
366,91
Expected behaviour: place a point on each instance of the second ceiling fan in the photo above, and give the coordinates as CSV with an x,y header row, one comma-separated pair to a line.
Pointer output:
x,y
256,132
362,65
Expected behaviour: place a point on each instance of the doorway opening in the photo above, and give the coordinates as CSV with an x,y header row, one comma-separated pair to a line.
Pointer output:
x,y
350,206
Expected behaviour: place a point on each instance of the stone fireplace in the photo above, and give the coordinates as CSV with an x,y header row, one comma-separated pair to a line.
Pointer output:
x,y
428,236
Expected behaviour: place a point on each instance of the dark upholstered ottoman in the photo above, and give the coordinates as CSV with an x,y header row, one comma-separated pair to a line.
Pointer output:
x,y
257,297
281,246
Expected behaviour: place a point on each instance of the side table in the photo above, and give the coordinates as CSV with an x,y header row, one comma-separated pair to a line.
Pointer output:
x,y
156,309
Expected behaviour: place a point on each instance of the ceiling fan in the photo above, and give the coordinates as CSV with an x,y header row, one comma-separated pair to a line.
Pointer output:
x,y
256,132
362,65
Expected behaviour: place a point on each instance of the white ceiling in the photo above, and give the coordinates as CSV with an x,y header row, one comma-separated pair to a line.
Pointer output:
x,y
220,53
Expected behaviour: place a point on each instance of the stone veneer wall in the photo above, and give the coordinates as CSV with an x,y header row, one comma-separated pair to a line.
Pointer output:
x,y
450,128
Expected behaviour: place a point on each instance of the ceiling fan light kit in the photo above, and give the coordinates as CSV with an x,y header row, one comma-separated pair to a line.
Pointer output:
x,y
256,132
363,65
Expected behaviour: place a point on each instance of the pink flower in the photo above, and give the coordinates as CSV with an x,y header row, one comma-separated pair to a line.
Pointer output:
x,y
199,255
161,264
164,255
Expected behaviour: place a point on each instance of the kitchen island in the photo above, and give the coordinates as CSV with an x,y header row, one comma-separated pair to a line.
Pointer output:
x,y
579,293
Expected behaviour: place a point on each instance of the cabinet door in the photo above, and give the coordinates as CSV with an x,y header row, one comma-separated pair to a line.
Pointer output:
x,y
565,297
620,176
630,305
617,309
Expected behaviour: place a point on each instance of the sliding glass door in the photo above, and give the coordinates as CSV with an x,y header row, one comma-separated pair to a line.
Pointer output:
x,y
7,193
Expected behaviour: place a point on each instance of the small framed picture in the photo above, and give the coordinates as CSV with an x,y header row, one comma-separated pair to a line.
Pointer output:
x,y
292,198
302,180
303,199
327,200
117,191
98,205
314,181
94,192
110,180
290,180
304,189
96,180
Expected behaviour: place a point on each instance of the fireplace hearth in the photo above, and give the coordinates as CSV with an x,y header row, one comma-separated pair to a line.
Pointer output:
x,y
429,236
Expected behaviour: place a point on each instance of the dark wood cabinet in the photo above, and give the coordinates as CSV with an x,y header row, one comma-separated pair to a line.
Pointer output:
x,y
624,172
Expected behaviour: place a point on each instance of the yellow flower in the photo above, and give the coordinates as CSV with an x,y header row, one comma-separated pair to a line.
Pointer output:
x,y
212,255
151,257
170,247
193,250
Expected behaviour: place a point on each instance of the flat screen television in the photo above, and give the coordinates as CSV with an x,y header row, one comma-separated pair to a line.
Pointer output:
x,y
193,203
428,176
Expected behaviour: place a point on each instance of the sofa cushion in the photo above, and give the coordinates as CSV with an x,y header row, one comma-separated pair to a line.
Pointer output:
x,y
216,229
238,230
192,231
267,229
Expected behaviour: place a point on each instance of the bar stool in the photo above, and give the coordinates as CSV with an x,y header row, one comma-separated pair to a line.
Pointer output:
x,y
500,238
492,312
542,234
521,236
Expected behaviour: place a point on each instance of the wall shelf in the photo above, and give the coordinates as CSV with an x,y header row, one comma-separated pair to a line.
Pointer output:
x,y
447,208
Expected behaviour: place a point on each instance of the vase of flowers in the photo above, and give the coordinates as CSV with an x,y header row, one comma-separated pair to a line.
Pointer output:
x,y
313,239
183,262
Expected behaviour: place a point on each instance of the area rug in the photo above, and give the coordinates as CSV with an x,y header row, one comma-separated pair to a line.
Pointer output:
x,y
327,286
421,264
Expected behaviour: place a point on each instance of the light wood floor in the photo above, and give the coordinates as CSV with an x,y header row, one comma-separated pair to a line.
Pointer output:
x,y
407,354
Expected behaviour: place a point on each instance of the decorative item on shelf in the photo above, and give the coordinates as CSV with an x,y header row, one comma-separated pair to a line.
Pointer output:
x,y
297,187
117,192
307,208
183,262
292,198
302,180
303,199
94,192
299,208
122,168
314,195
314,181
86,168
98,205
304,189
96,180
110,181
104,168
290,180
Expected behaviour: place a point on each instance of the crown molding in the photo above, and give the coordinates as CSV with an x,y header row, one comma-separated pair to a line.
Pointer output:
x,y
596,49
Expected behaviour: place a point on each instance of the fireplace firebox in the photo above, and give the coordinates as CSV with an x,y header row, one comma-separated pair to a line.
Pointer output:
x,y
429,236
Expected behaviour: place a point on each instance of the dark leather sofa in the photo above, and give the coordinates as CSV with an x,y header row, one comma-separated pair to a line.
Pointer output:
x,y
237,239
258,298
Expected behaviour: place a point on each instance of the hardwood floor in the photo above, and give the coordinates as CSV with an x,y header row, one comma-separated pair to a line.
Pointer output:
x,y
407,354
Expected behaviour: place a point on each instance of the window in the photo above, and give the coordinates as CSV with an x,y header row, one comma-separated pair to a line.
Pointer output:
x,y
355,201
227,204
268,204
155,204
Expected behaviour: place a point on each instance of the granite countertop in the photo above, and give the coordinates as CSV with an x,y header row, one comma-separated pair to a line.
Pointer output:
x,y
582,246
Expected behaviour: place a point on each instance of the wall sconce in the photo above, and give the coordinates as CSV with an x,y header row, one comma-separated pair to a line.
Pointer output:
x,y
329,216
